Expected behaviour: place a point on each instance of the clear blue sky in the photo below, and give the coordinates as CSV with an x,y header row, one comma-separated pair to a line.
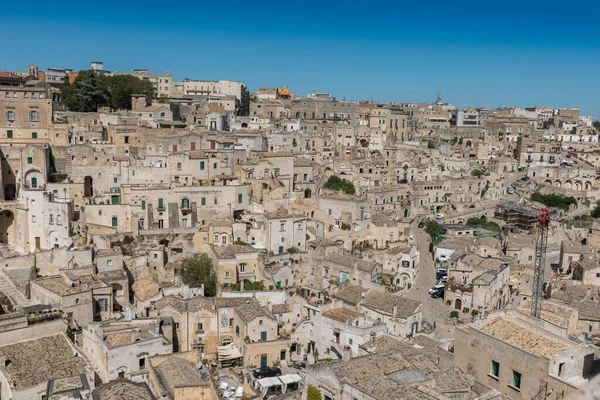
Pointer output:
x,y
476,53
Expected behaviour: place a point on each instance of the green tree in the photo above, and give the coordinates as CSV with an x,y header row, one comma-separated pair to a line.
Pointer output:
x,y
245,102
337,183
597,125
121,87
430,144
88,92
91,90
200,270
435,230
313,393
554,200
596,211
476,173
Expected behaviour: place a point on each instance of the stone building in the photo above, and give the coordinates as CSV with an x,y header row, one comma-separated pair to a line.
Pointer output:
x,y
514,354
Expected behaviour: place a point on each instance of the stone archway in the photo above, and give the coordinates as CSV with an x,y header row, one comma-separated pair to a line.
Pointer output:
x,y
7,219
88,186
458,304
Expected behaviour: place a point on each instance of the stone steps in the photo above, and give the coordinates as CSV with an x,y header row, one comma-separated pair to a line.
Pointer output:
x,y
10,290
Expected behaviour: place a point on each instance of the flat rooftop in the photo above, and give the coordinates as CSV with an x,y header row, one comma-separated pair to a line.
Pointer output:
x,y
524,336
38,361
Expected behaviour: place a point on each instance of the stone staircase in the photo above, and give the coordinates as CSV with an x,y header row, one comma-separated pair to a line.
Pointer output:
x,y
11,291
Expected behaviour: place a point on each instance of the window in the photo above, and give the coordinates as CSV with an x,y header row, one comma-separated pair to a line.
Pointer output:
x,y
325,273
330,211
201,165
142,363
161,204
29,160
237,330
51,218
10,115
115,221
214,165
9,134
33,219
115,180
203,201
216,237
109,263
176,325
242,267
282,227
529,258
350,342
282,354
227,275
561,369
143,204
126,139
199,327
240,198
495,369
516,380
58,219
34,116
260,321
263,336
185,203
33,182
224,239
34,135
178,166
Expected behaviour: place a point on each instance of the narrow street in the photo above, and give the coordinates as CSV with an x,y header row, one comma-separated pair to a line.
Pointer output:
x,y
434,310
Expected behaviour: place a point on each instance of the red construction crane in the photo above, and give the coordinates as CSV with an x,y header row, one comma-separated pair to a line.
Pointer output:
x,y
541,246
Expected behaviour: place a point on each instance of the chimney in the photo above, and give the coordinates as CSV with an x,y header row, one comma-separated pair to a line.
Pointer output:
x,y
373,339
395,311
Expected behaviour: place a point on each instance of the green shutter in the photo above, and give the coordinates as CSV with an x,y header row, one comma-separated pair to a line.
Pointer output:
x,y
143,204
201,165
115,221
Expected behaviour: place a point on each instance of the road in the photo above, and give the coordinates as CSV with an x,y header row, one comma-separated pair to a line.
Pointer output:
x,y
434,310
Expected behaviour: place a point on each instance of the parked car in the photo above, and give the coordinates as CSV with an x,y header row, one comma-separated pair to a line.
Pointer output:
x,y
437,294
510,190
421,225
439,286
403,180
442,271
266,372
439,216
443,279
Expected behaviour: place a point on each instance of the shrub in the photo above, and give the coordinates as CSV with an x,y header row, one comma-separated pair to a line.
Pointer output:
x,y
345,227
313,393
448,302
466,310
430,144
128,239
474,312
554,200
337,183
453,314
200,271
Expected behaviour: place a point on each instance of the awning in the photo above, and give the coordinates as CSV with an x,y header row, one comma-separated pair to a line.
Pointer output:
x,y
265,383
228,352
288,379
